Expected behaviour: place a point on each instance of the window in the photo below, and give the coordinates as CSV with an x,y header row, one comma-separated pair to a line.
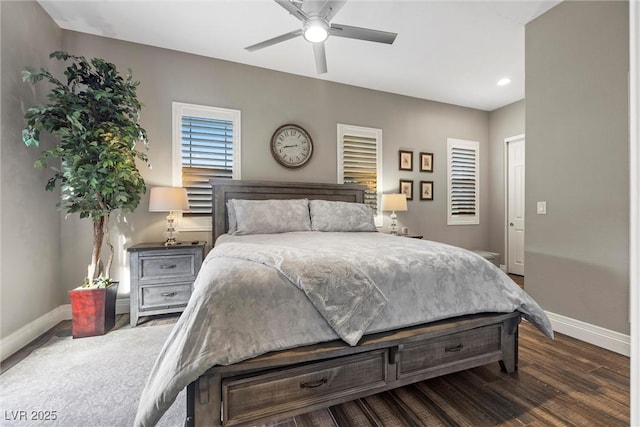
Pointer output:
x,y
206,145
463,182
360,161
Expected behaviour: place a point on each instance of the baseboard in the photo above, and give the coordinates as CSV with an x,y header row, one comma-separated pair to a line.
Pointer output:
x,y
122,306
601,337
32,330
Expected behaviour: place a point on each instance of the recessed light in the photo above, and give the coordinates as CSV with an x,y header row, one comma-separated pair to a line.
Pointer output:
x,y
504,81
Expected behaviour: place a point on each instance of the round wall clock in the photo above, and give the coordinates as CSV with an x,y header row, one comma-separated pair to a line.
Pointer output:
x,y
291,146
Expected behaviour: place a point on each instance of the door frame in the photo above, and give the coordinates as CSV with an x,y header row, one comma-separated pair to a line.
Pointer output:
x,y
505,174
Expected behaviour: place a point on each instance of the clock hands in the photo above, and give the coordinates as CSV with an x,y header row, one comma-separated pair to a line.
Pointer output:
x,y
291,146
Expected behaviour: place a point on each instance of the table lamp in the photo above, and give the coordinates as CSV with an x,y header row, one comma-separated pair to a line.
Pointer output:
x,y
169,199
393,203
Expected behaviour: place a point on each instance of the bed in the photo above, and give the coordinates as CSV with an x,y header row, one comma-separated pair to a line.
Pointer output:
x,y
252,352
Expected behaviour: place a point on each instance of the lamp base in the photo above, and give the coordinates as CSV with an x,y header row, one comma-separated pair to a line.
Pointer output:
x,y
394,225
171,232
171,242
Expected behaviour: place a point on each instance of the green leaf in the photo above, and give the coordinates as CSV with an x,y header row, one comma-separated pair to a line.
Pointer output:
x,y
93,114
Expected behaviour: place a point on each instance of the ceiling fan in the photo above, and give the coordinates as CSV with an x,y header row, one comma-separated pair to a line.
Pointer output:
x,y
316,27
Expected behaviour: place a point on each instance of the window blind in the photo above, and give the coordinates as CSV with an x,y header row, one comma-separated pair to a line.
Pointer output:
x,y
360,165
463,182
207,152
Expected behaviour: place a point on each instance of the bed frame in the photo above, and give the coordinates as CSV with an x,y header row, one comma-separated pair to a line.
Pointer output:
x,y
286,383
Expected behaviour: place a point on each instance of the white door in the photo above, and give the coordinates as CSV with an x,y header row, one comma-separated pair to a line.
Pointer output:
x,y
515,206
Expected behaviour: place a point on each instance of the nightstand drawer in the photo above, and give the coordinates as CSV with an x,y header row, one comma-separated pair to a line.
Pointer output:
x,y
162,277
167,267
153,297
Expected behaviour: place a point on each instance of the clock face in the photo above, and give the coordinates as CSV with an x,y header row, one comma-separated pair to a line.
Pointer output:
x,y
291,146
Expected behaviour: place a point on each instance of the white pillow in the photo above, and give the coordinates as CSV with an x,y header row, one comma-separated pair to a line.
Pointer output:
x,y
271,216
341,216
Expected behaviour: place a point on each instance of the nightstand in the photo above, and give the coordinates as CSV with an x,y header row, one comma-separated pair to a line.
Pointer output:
x,y
162,277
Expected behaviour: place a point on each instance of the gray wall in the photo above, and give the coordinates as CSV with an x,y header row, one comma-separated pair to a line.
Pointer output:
x,y
30,223
577,256
504,122
268,99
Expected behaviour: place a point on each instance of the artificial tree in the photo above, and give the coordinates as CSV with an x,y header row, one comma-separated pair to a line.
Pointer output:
x,y
94,117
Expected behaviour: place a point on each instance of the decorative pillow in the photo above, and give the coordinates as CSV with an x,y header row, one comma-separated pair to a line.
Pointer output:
x,y
231,217
341,216
271,216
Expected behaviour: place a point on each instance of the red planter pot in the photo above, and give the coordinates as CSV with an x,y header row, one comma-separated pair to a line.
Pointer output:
x,y
93,311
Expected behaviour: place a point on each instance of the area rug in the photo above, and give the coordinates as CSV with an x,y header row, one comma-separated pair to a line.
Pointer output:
x,y
94,381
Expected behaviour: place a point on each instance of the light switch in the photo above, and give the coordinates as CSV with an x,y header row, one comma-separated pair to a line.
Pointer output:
x,y
542,208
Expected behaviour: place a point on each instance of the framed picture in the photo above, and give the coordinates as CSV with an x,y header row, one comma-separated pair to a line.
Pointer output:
x,y
406,188
426,162
406,160
426,190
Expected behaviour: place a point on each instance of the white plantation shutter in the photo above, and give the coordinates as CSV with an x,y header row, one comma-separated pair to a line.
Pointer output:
x,y
206,145
463,182
207,152
359,160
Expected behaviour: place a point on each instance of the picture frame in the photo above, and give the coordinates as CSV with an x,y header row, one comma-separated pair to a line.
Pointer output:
x,y
426,190
405,160
426,162
406,188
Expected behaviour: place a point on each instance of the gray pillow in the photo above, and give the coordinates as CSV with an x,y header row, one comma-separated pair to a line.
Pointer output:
x,y
341,216
271,216
231,217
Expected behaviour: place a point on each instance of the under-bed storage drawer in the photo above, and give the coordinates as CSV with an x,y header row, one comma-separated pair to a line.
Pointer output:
x,y
434,354
289,389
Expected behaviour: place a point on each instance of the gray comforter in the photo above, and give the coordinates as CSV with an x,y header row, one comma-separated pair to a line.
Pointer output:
x,y
262,293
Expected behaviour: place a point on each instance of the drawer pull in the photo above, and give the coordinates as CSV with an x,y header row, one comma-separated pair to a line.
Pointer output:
x,y
314,385
452,349
169,294
168,266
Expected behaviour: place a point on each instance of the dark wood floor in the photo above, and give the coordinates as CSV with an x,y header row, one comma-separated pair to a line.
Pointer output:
x,y
518,279
564,382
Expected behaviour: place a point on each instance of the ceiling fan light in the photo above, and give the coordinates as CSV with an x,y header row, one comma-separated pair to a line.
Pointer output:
x,y
316,31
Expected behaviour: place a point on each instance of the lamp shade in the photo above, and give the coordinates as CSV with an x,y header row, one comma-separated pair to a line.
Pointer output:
x,y
165,199
394,202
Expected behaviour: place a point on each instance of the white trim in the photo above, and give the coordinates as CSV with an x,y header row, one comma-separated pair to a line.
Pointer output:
x,y
123,306
468,145
514,138
32,330
601,337
178,109
505,180
634,202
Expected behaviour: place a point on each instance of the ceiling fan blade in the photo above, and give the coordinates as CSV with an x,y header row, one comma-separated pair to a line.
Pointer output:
x,y
274,40
347,31
293,9
331,8
321,58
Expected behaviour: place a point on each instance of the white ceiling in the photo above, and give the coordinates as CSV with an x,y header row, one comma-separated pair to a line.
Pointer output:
x,y
447,51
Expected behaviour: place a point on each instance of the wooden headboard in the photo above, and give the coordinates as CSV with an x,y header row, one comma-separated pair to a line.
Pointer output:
x,y
226,189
